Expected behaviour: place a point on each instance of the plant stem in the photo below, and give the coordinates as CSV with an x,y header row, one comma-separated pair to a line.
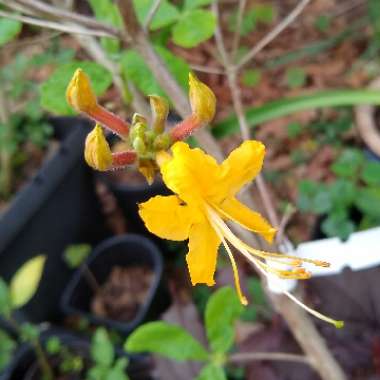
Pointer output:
x,y
5,153
278,356
43,361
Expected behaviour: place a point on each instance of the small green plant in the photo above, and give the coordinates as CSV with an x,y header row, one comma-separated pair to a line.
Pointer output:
x,y
171,341
295,77
354,194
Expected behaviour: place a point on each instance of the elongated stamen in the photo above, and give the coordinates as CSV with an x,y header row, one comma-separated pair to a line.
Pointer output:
x,y
242,298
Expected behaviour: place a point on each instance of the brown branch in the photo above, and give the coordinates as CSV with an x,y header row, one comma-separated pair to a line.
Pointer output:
x,y
243,357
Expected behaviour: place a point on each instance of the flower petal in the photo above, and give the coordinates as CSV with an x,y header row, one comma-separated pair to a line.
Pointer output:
x,y
166,217
251,220
191,173
202,255
242,165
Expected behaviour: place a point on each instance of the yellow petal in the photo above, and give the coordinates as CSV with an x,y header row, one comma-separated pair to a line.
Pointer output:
x,y
166,217
242,165
97,152
202,100
251,220
79,93
191,173
202,255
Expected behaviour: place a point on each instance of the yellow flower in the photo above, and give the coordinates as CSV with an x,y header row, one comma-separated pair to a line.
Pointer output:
x,y
79,93
205,197
97,152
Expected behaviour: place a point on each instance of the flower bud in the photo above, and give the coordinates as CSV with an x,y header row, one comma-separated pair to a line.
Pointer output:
x,y
139,146
162,142
138,130
79,93
148,169
202,100
138,118
97,152
160,111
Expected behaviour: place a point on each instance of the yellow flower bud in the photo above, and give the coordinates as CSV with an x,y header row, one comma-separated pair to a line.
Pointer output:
x,y
148,169
160,111
79,93
137,118
202,100
97,152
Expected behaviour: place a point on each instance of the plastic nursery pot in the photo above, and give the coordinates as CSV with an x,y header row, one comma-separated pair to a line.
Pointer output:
x,y
57,208
126,251
24,365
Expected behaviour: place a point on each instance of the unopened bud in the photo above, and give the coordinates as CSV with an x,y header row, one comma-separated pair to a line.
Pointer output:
x,y
79,93
202,100
139,146
160,111
138,118
162,142
148,169
97,152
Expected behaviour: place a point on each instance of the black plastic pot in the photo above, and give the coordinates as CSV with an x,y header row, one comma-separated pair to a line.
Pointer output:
x,y
57,208
125,251
24,359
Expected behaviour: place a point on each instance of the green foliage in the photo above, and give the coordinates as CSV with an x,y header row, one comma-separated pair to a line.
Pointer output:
x,y
29,333
5,299
323,23
136,70
102,350
212,372
368,202
166,14
295,77
107,12
167,340
76,254
194,27
371,173
374,14
25,281
9,29
191,4
258,303
222,310
251,77
7,347
348,164
53,345
294,130
54,89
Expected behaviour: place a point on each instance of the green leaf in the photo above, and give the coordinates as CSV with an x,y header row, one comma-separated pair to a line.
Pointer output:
x,y
191,4
342,193
117,372
102,350
107,12
5,299
76,254
251,77
222,310
338,224
7,346
9,29
167,340
166,14
212,372
368,201
323,23
53,90
264,13
53,345
313,197
25,281
136,70
195,26
288,106
295,77
348,163
294,130
371,173
29,333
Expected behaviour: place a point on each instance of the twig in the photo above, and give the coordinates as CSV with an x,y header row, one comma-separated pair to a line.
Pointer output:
x,y
152,12
62,14
207,69
239,21
55,25
274,33
277,356
289,212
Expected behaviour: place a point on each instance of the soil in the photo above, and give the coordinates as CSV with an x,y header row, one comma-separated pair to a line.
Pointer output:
x,y
123,293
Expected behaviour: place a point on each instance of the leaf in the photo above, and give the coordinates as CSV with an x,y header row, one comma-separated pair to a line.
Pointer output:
x,y
107,12
53,90
166,14
212,372
323,23
5,299
9,29
348,164
168,340
288,106
136,70
338,224
25,281
264,13
191,4
368,201
313,197
222,310
76,254
342,193
7,346
295,77
251,77
371,173
195,26
102,350
117,372
294,129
